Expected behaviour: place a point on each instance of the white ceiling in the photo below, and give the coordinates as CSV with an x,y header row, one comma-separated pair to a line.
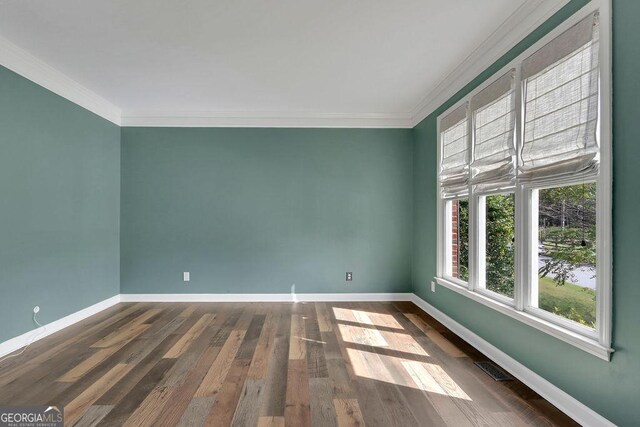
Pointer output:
x,y
241,58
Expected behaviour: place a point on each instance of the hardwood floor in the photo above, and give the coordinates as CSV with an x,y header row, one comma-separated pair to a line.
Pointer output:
x,y
266,364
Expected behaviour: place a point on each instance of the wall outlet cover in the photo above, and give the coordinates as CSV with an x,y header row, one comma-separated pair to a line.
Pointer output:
x,y
186,276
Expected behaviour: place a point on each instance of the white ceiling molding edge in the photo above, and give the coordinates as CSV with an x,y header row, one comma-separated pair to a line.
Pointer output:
x,y
513,30
30,67
266,119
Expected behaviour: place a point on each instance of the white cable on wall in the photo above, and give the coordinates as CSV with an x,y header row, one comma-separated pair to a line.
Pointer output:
x,y
33,338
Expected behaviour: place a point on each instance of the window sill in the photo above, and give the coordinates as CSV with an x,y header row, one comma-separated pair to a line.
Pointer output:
x,y
582,342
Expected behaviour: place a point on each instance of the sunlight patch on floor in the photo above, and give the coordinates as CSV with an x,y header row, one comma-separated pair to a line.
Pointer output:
x,y
363,336
366,317
383,339
428,377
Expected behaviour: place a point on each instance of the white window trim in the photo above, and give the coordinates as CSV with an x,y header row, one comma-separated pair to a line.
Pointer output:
x,y
596,342
578,340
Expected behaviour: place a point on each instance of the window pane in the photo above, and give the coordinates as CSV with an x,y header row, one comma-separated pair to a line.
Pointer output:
x,y
460,239
567,252
499,244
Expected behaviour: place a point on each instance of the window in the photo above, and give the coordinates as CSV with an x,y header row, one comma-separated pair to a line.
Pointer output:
x,y
458,246
454,177
566,233
524,188
496,248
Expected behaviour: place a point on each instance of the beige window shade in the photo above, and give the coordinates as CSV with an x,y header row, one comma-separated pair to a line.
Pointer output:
x,y
493,158
561,106
454,166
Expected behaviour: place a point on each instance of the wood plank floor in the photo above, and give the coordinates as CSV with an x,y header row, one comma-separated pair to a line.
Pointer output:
x,y
266,364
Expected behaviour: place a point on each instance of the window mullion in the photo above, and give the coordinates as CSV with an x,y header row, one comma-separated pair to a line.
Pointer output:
x,y
521,291
473,210
521,286
480,235
529,246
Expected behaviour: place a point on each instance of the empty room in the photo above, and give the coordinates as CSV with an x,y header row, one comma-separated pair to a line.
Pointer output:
x,y
319,213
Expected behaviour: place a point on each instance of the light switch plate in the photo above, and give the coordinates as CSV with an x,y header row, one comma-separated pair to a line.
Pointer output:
x,y
433,286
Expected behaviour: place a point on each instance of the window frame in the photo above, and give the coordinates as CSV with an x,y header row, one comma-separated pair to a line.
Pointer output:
x,y
598,341
528,292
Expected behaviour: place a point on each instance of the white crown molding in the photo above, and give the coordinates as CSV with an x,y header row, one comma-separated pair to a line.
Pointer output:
x,y
21,62
566,403
352,297
513,30
37,334
266,119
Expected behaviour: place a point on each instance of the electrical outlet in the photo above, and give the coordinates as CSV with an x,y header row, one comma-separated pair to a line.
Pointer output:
x,y
186,276
349,276
36,309
433,286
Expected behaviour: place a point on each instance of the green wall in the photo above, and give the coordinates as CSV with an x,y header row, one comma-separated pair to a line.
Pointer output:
x,y
59,206
610,388
258,210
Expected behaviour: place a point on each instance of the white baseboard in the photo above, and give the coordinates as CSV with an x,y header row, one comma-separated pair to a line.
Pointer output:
x,y
569,405
265,297
20,341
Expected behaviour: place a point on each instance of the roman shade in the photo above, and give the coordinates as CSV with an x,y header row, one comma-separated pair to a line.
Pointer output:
x,y
561,87
454,165
493,154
